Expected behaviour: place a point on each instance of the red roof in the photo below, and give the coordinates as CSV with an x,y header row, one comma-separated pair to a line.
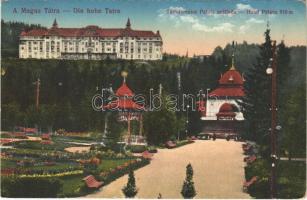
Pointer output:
x,y
124,104
228,91
231,77
90,31
124,101
230,84
227,109
124,90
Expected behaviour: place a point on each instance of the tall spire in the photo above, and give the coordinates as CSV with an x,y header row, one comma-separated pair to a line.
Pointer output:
x,y
55,24
233,62
233,57
128,25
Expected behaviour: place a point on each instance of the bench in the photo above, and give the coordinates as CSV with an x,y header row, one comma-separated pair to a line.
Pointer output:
x,y
91,182
246,184
170,144
147,155
250,159
45,136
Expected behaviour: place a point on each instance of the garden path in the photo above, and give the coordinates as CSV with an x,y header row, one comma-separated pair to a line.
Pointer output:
x,y
218,172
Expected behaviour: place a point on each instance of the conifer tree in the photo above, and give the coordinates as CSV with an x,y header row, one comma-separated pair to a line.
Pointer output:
x,y
188,190
256,103
130,189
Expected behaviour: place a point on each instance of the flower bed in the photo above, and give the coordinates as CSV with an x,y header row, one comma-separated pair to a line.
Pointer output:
x,y
75,172
40,171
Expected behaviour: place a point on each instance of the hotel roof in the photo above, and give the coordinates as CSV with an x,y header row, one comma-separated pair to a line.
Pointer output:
x,y
91,30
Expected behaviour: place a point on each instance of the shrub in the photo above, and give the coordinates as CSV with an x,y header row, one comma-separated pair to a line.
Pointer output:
x,y
260,189
30,187
130,189
188,190
152,149
137,148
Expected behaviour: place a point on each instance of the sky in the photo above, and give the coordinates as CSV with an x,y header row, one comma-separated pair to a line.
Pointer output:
x,y
196,26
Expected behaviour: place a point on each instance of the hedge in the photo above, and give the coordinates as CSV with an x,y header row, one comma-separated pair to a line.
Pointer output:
x,y
118,173
30,187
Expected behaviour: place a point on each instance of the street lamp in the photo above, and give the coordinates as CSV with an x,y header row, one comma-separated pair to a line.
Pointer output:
x,y
272,71
187,126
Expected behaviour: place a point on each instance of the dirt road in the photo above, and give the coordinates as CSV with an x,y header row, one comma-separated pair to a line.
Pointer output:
x,y
218,172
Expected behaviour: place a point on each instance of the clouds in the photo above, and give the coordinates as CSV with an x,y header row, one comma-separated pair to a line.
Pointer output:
x,y
250,23
241,6
192,21
182,17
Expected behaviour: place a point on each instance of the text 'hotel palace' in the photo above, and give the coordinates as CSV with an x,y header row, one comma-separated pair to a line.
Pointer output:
x,y
91,42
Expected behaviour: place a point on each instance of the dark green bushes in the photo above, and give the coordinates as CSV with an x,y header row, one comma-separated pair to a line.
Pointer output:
x,y
28,187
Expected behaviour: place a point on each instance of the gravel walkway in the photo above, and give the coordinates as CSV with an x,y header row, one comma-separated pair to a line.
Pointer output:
x,y
218,172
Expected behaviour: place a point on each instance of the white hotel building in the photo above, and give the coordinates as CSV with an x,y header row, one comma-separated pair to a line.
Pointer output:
x,y
91,42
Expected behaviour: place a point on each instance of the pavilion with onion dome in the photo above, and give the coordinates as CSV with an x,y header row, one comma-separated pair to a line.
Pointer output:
x,y
128,110
220,111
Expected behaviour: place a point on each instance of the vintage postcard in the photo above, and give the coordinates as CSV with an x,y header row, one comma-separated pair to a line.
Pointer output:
x,y
153,99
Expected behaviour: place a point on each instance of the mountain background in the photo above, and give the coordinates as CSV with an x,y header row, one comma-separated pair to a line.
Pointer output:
x,y
68,85
246,54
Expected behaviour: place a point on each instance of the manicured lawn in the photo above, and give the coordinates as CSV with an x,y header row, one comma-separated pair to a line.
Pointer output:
x,y
109,164
71,185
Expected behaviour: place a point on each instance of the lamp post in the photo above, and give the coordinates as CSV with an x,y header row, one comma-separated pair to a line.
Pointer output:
x,y
186,131
272,71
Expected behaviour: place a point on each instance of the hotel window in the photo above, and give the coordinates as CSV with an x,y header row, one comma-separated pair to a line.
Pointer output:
x,y
139,50
121,50
150,50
